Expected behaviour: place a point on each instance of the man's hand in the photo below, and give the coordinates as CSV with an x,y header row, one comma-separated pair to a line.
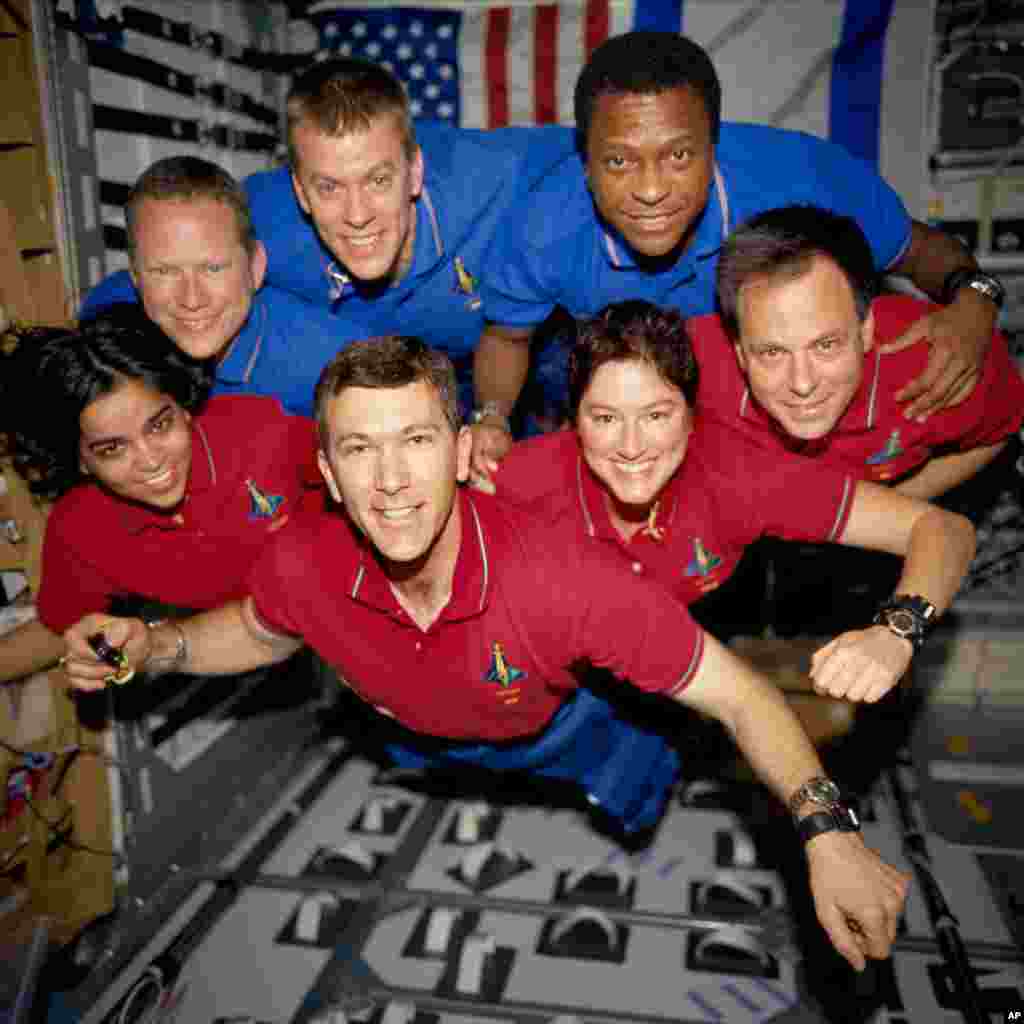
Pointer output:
x,y
959,336
861,665
857,896
490,445
80,663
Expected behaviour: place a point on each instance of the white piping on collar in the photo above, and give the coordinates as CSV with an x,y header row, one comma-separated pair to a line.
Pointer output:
x,y
744,402
338,280
588,522
844,502
359,580
361,573
483,556
435,227
872,398
251,364
872,412
723,202
209,453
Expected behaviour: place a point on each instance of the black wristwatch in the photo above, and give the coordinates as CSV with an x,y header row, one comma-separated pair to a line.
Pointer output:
x,y
909,616
840,817
971,277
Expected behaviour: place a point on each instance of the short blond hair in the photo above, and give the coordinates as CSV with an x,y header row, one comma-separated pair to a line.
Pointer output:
x,y
346,95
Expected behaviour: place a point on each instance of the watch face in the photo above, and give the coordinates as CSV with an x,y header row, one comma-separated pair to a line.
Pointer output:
x,y
822,791
901,622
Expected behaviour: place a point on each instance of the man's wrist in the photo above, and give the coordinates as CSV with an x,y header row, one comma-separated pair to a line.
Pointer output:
x,y
973,280
908,616
168,648
491,413
817,822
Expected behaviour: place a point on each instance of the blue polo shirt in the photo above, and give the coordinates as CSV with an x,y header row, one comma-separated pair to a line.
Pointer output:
x,y
553,249
280,351
471,178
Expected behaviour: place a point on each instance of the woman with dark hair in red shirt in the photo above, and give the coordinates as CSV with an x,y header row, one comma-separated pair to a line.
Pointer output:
x,y
160,494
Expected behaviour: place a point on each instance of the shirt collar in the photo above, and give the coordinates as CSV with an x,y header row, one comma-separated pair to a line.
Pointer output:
x,y
202,477
712,229
861,414
428,248
470,582
237,365
597,521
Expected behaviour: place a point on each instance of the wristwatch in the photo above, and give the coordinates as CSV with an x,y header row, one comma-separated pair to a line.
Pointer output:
x,y
490,410
818,790
971,277
909,616
841,817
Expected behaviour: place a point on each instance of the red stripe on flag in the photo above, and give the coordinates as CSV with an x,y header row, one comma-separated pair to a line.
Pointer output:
x,y
597,25
496,67
545,64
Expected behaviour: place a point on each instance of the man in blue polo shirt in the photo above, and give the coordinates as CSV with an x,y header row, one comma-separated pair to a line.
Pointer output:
x,y
643,211
198,268
384,222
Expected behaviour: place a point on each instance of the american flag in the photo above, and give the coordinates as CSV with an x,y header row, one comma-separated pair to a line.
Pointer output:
x,y
812,65
479,66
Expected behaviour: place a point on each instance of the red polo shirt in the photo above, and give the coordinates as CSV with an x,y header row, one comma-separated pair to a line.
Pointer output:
x,y
722,498
872,438
528,598
249,460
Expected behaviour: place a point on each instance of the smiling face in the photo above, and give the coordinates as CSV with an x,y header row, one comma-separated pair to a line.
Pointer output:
x,y
137,443
633,428
393,461
360,190
194,275
802,347
649,164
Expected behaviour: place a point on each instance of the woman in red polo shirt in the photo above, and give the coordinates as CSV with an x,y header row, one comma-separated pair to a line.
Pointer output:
x,y
683,503
161,494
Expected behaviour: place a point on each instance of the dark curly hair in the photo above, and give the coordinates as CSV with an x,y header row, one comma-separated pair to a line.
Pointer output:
x,y
632,330
55,373
782,243
646,63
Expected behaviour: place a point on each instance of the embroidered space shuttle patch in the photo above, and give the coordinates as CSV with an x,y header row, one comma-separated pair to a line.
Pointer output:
x,y
892,450
262,506
703,561
500,671
466,283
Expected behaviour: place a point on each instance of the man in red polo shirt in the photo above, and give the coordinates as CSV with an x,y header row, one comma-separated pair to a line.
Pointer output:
x,y
796,362
460,617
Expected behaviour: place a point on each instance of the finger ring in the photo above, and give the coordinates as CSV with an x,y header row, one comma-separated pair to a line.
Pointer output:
x,y
120,677
62,660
